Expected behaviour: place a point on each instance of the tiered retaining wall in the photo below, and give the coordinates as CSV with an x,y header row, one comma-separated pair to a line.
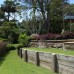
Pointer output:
x,y
65,64
68,45
48,43
58,63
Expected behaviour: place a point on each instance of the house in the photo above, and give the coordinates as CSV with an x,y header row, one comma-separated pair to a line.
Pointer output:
x,y
69,18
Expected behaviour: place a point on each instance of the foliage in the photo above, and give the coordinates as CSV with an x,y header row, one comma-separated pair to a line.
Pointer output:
x,y
1,14
51,12
72,27
14,46
3,40
3,48
9,7
68,9
8,31
24,39
32,26
51,36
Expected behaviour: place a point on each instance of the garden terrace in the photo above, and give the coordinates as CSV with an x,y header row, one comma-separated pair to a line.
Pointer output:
x,y
49,60
52,50
49,43
68,46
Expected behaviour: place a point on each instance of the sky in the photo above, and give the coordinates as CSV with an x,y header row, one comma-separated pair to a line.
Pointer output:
x,y
71,1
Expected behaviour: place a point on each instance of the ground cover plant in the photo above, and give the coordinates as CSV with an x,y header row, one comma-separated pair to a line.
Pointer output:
x,y
51,36
12,64
53,50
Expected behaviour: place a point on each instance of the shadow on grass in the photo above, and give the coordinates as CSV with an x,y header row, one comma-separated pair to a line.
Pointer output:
x,y
2,58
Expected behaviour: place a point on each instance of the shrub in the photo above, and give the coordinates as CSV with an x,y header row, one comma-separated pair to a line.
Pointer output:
x,y
3,48
14,46
3,40
68,36
51,36
24,39
10,47
33,36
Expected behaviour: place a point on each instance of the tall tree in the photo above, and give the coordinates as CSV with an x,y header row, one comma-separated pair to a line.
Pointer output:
x,y
54,22
44,7
9,6
57,15
2,16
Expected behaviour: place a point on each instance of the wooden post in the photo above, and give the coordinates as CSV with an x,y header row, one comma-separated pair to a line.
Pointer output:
x,y
54,63
37,58
20,53
25,57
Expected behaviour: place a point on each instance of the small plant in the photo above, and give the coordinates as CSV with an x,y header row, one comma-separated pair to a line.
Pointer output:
x,y
24,39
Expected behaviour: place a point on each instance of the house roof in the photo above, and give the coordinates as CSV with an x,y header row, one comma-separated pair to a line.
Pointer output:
x,y
66,17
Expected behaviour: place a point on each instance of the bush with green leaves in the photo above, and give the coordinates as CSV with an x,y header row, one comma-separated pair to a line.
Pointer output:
x,y
9,30
3,40
3,48
24,39
14,46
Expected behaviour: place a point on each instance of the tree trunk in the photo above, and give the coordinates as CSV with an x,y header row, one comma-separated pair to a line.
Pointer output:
x,y
8,16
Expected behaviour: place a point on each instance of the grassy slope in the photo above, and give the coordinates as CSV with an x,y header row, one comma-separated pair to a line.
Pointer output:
x,y
12,64
53,50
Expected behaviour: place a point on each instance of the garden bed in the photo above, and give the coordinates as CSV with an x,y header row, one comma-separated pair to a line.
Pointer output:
x,y
49,43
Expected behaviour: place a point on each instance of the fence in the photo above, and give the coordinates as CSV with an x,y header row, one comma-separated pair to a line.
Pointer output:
x,y
58,63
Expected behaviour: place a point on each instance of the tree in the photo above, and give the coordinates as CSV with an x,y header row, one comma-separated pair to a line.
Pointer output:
x,y
2,16
9,31
44,8
9,7
32,26
51,13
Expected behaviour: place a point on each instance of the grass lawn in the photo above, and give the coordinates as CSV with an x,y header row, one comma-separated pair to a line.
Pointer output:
x,y
53,50
12,64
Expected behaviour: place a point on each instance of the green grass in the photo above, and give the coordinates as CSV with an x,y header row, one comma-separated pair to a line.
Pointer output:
x,y
12,64
53,50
